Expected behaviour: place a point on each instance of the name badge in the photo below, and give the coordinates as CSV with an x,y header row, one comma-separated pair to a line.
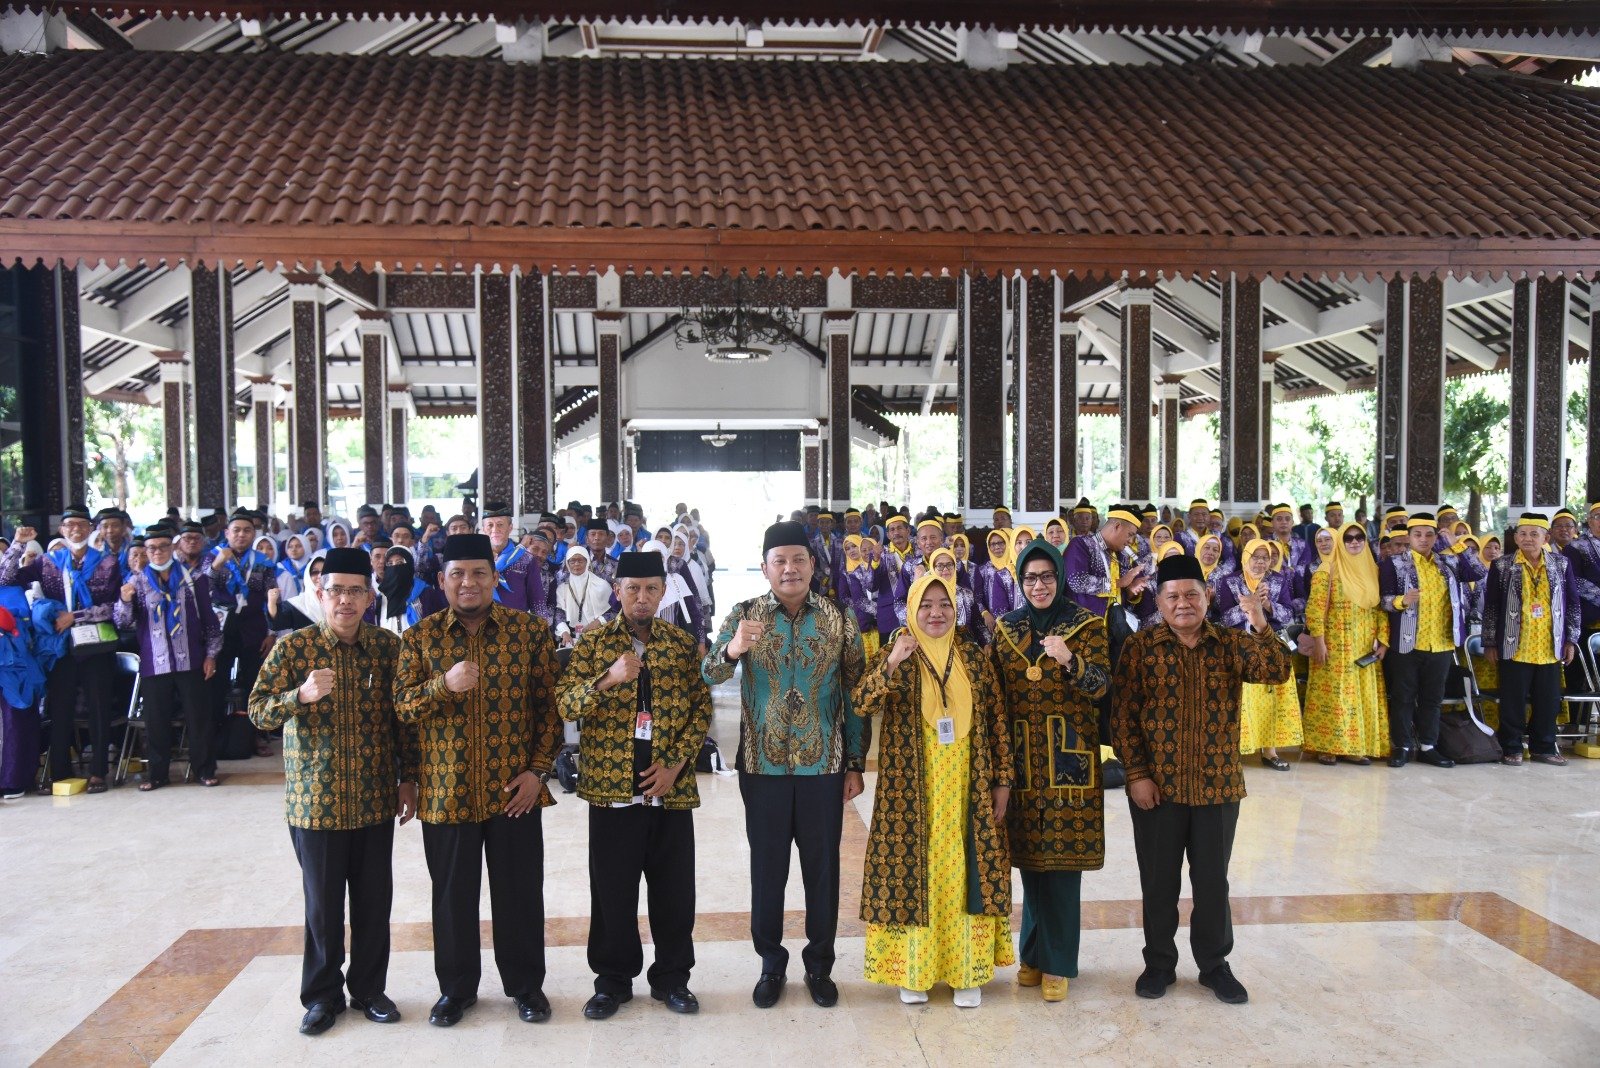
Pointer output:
x,y
1538,611
947,730
642,726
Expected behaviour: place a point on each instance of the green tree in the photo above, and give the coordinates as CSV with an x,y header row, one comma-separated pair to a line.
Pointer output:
x,y
121,460
1472,464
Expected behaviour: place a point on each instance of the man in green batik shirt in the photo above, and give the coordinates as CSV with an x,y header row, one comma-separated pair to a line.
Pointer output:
x,y
801,752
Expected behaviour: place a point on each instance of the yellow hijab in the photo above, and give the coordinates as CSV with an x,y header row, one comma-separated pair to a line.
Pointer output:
x,y
934,657
1162,526
1356,573
964,540
1201,544
1019,543
860,560
1250,547
1007,559
1169,549
1483,550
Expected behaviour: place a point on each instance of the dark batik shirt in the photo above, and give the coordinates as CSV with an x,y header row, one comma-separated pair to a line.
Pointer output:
x,y
1175,710
344,755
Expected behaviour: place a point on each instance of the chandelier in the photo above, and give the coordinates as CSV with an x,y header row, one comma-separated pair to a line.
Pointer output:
x,y
719,439
735,331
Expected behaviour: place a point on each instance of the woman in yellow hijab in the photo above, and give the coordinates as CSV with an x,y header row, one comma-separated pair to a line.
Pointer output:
x,y
937,900
859,590
1346,714
1269,716
1004,593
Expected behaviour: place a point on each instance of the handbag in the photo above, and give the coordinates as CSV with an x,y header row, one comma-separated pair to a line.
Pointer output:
x,y
92,639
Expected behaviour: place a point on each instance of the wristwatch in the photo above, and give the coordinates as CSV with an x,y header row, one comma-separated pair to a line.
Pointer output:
x,y
544,777
856,766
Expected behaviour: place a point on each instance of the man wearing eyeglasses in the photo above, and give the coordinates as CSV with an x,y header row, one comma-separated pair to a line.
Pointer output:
x,y
350,767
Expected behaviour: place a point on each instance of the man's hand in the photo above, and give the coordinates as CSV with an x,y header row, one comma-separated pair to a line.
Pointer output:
x,y
209,669
274,598
64,621
222,559
657,779
917,572
1140,581
853,785
318,685
1144,793
624,669
1055,647
25,535
408,802
267,643
524,791
748,633
1571,651
1129,577
904,648
128,590
1411,597
1491,654
1001,795
462,677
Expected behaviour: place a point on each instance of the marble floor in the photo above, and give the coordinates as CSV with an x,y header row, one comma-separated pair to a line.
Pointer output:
x,y
1419,916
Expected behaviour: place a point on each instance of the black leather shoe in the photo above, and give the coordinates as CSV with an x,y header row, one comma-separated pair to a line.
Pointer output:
x,y
1434,757
769,988
1399,758
320,1017
378,1008
1220,981
534,1007
1153,984
447,1011
1275,763
823,992
604,1006
678,999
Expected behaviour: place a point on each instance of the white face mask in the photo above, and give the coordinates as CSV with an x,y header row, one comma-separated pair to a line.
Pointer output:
x,y
77,546
162,568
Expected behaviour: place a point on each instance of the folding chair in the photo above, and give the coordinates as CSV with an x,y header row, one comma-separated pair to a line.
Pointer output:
x,y
1583,727
132,720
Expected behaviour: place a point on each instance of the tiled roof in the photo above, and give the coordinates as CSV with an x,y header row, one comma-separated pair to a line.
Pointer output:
x,y
322,140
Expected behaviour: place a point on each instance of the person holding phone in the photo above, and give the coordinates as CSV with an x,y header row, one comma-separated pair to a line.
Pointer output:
x,y
1345,699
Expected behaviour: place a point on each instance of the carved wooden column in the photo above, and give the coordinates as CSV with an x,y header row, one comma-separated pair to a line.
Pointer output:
x,y
836,326
263,412
174,370
1241,394
608,345
1135,387
1067,412
983,395
211,320
1037,394
1539,395
375,342
310,389
497,435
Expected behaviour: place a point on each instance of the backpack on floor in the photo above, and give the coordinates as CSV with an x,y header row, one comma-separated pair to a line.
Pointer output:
x,y
1466,739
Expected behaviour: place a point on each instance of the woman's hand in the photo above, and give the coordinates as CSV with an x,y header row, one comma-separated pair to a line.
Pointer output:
x,y
1001,795
904,648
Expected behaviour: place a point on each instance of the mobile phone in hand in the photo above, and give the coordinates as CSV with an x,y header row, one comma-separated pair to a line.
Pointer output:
x,y
1368,660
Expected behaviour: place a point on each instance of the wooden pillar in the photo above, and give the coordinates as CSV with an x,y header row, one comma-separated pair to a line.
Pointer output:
x,y
608,348
211,320
1592,474
310,389
1268,380
1067,408
400,407
536,449
1171,410
836,326
811,447
1411,376
1538,395
1037,393
173,369
50,394
983,396
1135,388
375,341
497,436
263,410
1241,393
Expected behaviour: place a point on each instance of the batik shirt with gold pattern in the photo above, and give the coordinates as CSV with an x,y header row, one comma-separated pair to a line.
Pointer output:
x,y
795,695
1056,817
344,755
1175,710
473,744
680,711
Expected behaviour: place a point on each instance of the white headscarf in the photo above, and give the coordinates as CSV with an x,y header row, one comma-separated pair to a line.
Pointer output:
x,y
697,572
583,598
677,588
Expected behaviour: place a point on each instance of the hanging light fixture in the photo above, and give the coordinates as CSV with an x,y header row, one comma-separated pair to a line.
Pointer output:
x,y
719,439
737,332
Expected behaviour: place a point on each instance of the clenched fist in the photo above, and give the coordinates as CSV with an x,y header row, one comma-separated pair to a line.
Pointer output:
x,y
462,677
318,685
749,632
1055,648
624,669
25,535
128,590
1411,598
905,647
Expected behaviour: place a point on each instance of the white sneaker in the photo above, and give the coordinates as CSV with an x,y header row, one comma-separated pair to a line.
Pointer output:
x,y
913,997
969,998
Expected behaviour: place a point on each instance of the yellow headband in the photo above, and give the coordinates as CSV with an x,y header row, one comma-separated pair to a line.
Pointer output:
x,y
1283,508
1595,507
1542,524
892,520
934,523
1124,515
1412,524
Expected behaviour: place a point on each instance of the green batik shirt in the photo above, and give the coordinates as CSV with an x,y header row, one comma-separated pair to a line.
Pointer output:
x,y
795,693
344,755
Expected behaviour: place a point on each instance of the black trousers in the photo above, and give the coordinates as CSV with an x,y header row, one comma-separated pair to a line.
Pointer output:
x,y
234,651
332,862
1416,688
159,692
624,844
456,853
1518,683
91,676
1162,836
807,811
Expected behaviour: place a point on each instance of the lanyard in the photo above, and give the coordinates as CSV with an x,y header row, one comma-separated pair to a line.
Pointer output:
x,y
942,681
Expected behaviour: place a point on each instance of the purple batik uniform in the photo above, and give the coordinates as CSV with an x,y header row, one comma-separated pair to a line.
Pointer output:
x,y
104,580
198,638
1229,593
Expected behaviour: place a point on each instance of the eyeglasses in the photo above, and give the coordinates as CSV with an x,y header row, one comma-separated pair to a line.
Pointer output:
x,y
353,593
1353,539
1039,580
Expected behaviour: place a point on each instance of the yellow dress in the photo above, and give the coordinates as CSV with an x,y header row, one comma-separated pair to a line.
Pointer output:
x,y
1346,708
869,642
1269,716
956,947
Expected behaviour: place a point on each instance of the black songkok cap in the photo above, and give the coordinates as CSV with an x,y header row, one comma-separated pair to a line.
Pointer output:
x,y
366,511
784,534
75,511
191,527
597,524
348,562
1179,566
242,513
641,565
467,547
496,510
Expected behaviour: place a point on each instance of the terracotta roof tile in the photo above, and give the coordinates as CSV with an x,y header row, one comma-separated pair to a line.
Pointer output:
x,y
302,140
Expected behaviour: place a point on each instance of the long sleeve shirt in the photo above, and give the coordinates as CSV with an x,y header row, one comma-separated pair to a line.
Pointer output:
x,y
197,637
1510,615
1175,710
105,583
474,743
1583,554
796,690
343,756
242,593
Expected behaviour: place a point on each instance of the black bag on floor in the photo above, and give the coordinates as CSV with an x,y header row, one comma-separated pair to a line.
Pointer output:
x,y
237,740
1462,739
710,758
